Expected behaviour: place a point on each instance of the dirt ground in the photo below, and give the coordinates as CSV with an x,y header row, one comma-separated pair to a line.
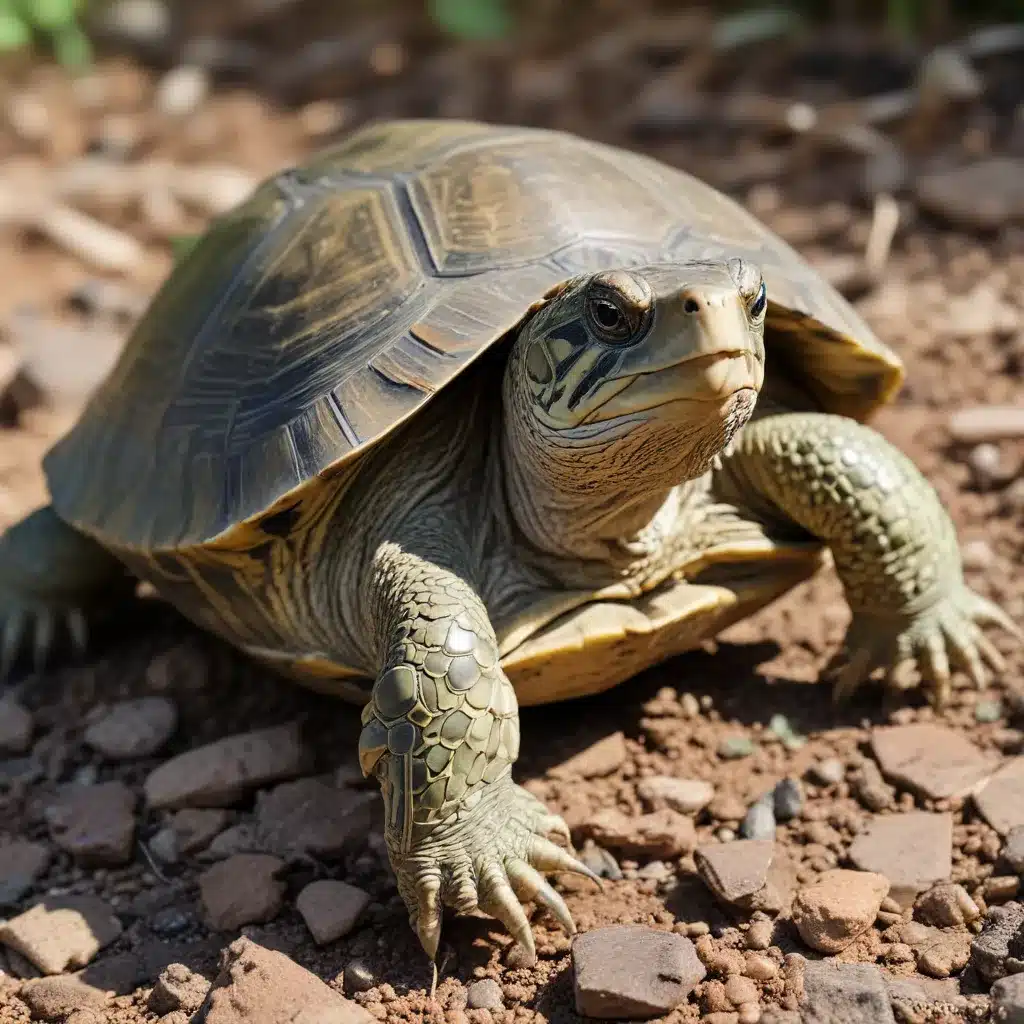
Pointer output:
x,y
147,157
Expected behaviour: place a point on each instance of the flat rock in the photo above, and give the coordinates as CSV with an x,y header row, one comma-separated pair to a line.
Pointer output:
x,y
633,972
599,759
485,994
95,824
838,993
221,773
313,816
1001,799
262,986
737,871
62,933
15,727
194,828
1013,849
999,949
133,728
178,988
244,889
664,833
922,991
687,796
931,760
330,908
56,997
21,863
984,195
1008,1000
840,906
914,851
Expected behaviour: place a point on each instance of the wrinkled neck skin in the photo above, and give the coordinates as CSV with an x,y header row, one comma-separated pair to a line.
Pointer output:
x,y
601,493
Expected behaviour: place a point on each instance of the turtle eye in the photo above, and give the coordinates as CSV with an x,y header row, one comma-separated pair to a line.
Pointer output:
x,y
612,317
760,302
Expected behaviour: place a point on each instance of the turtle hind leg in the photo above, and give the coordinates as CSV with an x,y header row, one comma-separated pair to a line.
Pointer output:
x,y
54,581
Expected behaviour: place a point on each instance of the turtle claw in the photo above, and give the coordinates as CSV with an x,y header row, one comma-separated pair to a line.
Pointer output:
x,y
934,642
34,630
490,858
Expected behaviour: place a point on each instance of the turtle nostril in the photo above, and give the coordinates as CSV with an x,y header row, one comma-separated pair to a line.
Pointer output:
x,y
691,305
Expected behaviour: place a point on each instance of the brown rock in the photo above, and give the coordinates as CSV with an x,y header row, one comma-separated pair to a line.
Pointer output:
x,y
242,890
220,773
133,728
15,727
984,195
687,796
737,871
62,933
840,906
261,986
21,863
946,906
178,988
1001,799
312,816
95,824
629,971
931,760
330,908
913,850
1013,850
485,994
601,758
195,828
54,998
941,953
664,833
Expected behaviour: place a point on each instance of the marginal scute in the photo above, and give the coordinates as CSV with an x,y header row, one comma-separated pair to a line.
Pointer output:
x,y
395,692
402,738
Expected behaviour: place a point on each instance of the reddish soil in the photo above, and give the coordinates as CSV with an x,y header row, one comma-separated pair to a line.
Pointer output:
x,y
950,301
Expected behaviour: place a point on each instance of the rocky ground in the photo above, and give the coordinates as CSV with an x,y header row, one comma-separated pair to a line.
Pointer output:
x,y
173,817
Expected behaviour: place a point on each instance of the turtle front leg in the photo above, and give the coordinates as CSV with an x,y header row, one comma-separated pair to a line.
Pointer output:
x,y
894,546
53,582
441,733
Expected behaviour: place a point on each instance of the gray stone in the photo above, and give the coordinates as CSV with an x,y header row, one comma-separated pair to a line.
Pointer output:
x,y
1013,849
984,195
840,993
331,908
688,796
21,863
133,728
788,799
631,971
313,816
759,821
62,933
1008,1000
485,994
262,986
601,862
914,851
221,773
95,824
15,727
195,828
241,890
1001,799
828,772
931,760
736,871
178,988
999,949
358,977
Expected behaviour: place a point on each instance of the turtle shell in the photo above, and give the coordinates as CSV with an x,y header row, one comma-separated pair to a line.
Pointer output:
x,y
344,294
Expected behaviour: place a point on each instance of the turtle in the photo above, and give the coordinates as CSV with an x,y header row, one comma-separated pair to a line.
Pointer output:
x,y
456,417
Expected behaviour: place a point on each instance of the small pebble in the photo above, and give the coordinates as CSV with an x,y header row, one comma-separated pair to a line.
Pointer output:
x,y
358,978
601,862
735,747
988,711
986,466
759,821
750,1013
485,994
828,772
725,835
182,90
789,799
760,967
759,934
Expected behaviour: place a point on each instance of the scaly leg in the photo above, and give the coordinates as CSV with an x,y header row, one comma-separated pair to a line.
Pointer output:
x,y
894,546
441,734
53,579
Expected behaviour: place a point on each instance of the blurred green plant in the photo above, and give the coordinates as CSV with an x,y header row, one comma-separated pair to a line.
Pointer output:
x,y
55,24
481,20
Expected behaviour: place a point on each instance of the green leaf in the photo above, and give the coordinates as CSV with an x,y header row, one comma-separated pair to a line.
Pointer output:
x,y
72,48
14,33
51,15
472,19
182,246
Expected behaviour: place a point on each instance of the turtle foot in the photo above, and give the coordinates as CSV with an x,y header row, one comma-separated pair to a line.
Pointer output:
x,y
929,644
39,631
490,856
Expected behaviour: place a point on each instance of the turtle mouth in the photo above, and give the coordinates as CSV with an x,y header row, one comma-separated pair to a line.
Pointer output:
x,y
740,407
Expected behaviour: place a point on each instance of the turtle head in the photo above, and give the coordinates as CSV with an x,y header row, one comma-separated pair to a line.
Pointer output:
x,y
662,363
